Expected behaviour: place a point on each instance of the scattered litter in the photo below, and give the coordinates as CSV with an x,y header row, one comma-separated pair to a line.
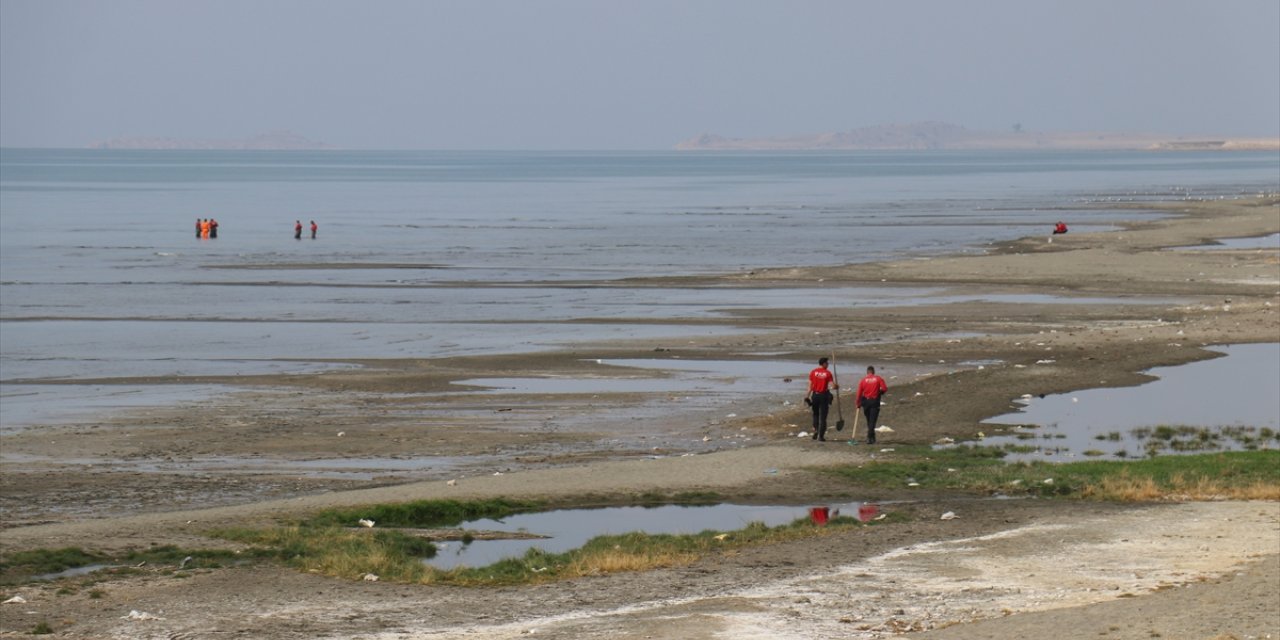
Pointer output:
x,y
950,470
886,450
731,415
366,522
1045,361
950,515
913,484
370,577
770,472
981,435
183,564
722,537
706,438
342,433
16,600
883,429
1075,399
452,483
1048,480
918,394
944,440
498,473
882,516
802,434
140,615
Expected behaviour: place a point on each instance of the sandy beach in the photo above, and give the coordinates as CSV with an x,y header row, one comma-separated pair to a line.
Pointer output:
x,y
1001,569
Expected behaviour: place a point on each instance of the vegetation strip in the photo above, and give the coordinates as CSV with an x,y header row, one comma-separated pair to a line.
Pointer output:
x,y
333,542
1235,475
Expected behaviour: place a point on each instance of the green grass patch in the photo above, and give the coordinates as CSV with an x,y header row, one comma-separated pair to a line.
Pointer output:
x,y
422,513
1235,475
341,551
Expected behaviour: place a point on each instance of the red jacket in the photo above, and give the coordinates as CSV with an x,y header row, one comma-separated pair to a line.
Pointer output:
x,y
871,388
820,379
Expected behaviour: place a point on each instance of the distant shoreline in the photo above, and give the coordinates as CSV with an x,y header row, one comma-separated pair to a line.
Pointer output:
x,y
923,136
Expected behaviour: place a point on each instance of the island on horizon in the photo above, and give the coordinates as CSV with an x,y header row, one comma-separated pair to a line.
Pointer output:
x,y
947,136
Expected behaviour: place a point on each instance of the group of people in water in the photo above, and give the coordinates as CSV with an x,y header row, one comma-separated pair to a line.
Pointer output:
x,y
206,228
822,389
297,229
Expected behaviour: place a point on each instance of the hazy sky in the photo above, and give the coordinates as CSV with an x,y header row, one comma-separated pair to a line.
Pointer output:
x,y
636,74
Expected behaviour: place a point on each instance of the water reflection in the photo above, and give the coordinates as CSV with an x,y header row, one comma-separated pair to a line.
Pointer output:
x,y
568,529
1226,403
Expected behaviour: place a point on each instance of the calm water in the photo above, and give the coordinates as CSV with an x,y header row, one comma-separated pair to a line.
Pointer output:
x,y
101,275
1237,391
567,529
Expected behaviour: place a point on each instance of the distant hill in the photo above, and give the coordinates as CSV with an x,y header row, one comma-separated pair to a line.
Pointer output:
x,y
942,135
277,141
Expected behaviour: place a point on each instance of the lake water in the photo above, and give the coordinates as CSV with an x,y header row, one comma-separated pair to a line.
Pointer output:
x,y
483,252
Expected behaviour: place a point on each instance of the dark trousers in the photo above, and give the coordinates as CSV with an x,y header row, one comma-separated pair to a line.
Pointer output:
x,y
821,406
871,409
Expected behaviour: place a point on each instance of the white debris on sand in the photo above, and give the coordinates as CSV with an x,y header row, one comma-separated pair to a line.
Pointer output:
x,y
140,615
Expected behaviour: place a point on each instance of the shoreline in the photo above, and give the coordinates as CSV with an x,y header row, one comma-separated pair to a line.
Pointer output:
x,y
567,445
398,407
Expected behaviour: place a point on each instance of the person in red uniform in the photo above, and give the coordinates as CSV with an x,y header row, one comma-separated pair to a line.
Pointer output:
x,y
314,227
821,383
297,229
869,391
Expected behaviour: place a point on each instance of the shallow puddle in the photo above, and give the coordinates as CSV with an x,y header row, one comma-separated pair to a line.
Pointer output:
x,y
73,572
1262,242
1227,403
568,529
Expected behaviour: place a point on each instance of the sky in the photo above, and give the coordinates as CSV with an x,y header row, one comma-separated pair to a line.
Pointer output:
x,y
627,74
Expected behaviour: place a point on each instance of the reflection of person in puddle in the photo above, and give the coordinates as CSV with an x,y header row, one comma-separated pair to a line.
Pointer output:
x,y
821,381
869,391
